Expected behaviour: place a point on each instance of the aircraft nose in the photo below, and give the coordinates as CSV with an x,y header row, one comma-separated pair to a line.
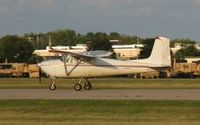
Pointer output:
x,y
41,64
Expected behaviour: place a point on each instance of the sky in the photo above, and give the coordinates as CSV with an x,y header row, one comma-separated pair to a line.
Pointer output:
x,y
143,18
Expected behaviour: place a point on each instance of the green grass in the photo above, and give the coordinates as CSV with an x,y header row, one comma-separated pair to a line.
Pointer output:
x,y
108,83
88,112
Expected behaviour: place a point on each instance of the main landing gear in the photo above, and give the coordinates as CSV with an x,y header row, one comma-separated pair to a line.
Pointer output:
x,y
77,87
87,85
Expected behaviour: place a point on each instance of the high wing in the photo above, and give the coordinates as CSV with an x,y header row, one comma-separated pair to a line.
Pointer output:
x,y
84,55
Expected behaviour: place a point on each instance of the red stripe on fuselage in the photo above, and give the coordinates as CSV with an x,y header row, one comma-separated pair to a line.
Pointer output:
x,y
106,65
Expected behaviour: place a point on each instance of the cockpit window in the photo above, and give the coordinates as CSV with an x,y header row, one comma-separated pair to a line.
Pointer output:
x,y
69,59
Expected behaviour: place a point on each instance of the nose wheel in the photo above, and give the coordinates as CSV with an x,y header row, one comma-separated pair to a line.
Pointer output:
x,y
52,87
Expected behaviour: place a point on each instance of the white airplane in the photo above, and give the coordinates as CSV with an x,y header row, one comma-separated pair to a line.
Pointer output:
x,y
94,64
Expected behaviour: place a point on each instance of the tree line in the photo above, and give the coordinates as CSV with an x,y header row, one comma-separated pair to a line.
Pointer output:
x,y
14,48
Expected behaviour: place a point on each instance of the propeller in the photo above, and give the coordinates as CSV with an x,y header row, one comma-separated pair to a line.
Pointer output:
x,y
40,75
40,70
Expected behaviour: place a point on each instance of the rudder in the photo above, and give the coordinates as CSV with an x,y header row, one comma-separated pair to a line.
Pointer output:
x,y
160,55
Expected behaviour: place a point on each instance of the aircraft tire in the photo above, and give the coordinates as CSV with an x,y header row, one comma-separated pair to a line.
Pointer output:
x,y
77,87
88,86
52,87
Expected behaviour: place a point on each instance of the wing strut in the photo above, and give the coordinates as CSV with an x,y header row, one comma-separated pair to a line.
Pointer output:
x,y
67,73
64,61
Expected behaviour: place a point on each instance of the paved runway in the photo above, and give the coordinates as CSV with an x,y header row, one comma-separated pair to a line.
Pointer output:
x,y
106,94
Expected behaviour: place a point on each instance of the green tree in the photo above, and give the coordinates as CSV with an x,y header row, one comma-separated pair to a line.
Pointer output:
x,y
90,36
39,40
130,39
184,42
146,51
65,37
15,49
190,51
80,39
34,59
101,42
114,36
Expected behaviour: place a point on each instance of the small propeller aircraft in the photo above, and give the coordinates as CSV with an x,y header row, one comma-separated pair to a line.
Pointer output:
x,y
93,64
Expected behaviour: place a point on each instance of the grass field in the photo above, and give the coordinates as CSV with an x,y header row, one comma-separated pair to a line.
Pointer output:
x,y
96,112
79,112
108,83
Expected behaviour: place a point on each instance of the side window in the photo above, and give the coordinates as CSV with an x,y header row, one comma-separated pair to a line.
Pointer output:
x,y
72,60
66,59
69,59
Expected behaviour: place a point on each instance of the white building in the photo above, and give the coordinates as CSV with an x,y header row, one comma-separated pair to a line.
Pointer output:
x,y
127,51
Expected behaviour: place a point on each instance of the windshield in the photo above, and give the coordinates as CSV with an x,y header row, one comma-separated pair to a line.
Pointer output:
x,y
68,59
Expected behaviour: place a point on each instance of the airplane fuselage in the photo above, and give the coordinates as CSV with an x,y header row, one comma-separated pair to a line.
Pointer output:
x,y
98,67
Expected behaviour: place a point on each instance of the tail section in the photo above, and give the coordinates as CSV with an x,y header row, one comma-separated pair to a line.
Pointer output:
x,y
160,55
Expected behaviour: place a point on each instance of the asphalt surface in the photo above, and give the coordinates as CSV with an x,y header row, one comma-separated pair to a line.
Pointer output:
x,y
106,94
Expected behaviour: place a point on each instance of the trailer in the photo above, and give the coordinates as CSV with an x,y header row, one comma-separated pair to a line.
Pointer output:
x,y
19,70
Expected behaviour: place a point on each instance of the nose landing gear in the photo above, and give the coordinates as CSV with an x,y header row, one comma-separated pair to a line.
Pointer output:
x,y
53,85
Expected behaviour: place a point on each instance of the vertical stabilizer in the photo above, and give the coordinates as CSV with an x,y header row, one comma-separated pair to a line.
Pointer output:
x,y
160,55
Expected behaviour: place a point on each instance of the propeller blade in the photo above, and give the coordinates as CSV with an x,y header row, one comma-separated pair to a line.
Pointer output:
x,y
40,75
